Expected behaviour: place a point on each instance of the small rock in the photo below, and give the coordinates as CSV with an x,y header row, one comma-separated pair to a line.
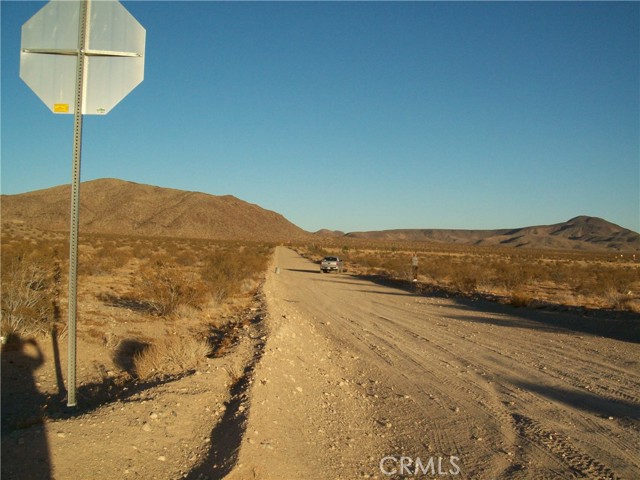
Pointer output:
x,y
162,458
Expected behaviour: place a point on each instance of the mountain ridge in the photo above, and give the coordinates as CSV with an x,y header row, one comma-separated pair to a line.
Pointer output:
x,y
579,233
122,207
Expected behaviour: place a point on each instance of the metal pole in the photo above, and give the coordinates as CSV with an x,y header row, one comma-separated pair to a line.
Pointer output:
x,y
75,201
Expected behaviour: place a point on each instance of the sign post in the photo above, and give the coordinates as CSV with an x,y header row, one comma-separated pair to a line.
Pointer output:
x,y
81,57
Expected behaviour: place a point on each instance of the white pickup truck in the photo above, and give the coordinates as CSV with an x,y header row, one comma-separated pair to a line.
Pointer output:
x,y
331,264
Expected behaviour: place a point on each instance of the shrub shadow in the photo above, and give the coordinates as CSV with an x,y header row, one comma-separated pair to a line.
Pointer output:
x,y
302,270
92,396
123,358
227,435
33,407
129,303
617,325
25,408
614,325
588,402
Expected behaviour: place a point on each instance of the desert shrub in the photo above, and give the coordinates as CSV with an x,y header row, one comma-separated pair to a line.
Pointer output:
x,y
631,305
170,356
163,286
314,251
464,279
520,299
28,297
366,260
615,299
117,255
140,248
604,281
398,266
185,257
105,260
226,270
437,268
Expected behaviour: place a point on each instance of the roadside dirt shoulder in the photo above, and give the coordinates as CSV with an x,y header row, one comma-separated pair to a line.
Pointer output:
x,y
186,427
366,380
308,417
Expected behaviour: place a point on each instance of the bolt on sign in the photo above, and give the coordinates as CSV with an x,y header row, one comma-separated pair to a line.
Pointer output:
x,y
81,57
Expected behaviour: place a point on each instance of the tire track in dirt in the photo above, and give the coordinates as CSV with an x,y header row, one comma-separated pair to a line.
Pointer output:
x,y
529,398
438,377
627,409
579,462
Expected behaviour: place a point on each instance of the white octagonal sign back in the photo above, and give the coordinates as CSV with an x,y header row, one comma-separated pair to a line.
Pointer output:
x,y
114,57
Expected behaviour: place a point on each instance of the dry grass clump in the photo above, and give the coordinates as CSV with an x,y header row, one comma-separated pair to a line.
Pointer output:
x,y
170,356
520,299
30,286
163,286
28,298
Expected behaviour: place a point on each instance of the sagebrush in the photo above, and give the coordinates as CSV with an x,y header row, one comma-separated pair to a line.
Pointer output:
x,y
170,356
28,297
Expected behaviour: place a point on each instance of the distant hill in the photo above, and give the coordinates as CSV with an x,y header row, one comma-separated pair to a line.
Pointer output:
x,y
329,233
120,207
579,233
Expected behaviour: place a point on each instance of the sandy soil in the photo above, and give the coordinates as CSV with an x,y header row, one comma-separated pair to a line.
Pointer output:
x,y
355,372
346,378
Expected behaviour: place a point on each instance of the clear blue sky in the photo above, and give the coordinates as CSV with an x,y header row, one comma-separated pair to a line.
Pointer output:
x,y
362,116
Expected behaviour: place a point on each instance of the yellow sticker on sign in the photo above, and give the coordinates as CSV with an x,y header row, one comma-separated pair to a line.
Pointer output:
x,y
61,108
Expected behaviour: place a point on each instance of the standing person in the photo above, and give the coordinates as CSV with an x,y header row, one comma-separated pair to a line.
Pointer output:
x,y
414,267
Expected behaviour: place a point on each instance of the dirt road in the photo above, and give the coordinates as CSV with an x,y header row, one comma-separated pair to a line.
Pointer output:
x,y
364,380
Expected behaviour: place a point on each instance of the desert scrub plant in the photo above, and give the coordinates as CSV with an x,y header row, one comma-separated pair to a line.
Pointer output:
x,y
464,281
164,286
313,252
520,299
604,280
226,270
28,297
113,255
104,260
170,356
